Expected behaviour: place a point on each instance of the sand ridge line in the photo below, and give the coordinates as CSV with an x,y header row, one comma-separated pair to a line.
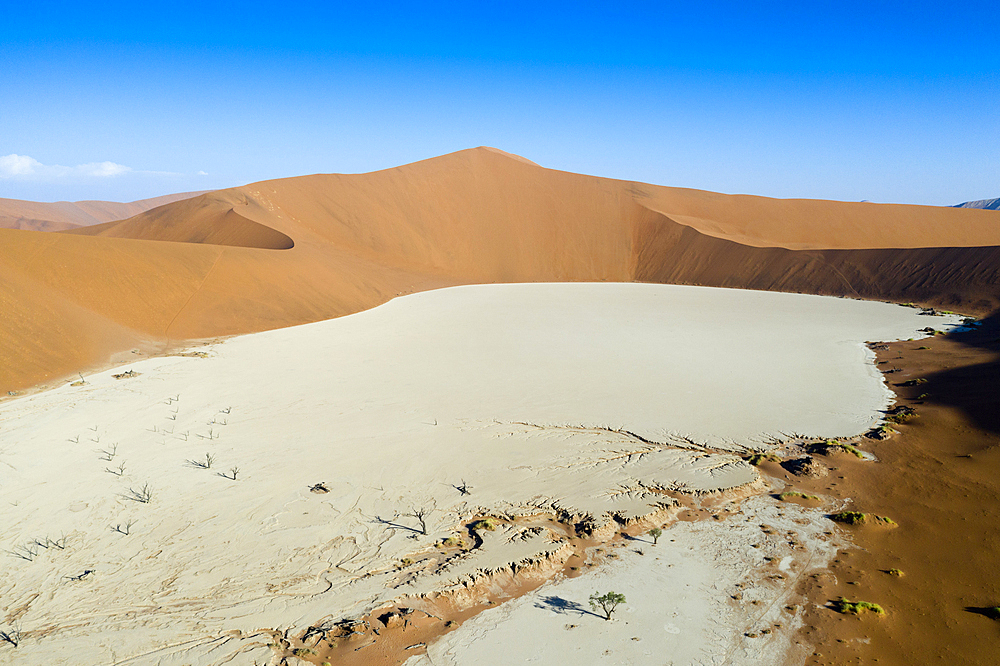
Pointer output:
x,y
359,240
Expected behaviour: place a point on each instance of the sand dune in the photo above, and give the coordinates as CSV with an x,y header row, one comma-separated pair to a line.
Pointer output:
x,y
63,215
285,252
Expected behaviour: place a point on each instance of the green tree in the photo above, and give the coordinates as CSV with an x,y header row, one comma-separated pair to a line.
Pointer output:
x,y
606,602
655,533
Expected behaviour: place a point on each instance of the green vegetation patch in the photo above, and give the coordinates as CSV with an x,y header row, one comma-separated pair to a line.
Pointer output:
x,y
487,524
796,493
859,518
853,450
847,607
758,458
834,446
849,517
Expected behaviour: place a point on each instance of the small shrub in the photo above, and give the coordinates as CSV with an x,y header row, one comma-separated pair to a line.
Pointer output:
x,y
606,602
853,450
858,518
849,517
453,542
833,446
796,493
487,524
757,458
846,607
895,572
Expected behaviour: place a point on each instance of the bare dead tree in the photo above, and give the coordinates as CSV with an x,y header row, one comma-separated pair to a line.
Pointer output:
x,y
12,635
27,552
110,452
124,528
231,475
117,471
203,464
420,515
85,573
143,495
464,488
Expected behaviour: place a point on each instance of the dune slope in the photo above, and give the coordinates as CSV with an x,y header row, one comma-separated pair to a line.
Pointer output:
x,y
63,215
290,251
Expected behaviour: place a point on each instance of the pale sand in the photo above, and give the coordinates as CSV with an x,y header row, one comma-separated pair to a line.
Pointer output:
x,y
504,386
707,593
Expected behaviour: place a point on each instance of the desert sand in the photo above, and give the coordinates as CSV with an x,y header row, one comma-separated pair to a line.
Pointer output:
x,y
64,215
588,400
937,479
286,252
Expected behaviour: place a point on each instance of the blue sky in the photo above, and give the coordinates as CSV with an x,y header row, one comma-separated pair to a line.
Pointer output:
x,y
885,101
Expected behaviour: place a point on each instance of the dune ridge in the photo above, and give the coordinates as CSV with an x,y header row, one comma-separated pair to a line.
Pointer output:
x,y
64,215
295,250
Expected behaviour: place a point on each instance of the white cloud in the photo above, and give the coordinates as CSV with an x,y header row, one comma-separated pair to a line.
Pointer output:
x,y
23,167
103,169
17,165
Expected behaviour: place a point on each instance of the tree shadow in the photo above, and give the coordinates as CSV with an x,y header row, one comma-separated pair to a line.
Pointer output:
x,y
991,612
563,606
629,537
391,524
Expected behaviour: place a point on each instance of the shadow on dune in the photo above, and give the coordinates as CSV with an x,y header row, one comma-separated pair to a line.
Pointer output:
x,y
973,388
986,611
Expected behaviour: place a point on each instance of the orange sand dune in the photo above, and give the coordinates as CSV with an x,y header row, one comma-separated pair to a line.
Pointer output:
x,y
290,251
62,215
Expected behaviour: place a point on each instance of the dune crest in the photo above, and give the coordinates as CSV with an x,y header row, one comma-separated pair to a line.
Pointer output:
x,y
200,221
62,215
205,266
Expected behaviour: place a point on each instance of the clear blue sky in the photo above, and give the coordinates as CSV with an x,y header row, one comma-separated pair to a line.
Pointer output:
x,y
886,101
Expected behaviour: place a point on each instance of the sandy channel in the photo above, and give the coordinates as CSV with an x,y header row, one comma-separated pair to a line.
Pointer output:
x,y
580,398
